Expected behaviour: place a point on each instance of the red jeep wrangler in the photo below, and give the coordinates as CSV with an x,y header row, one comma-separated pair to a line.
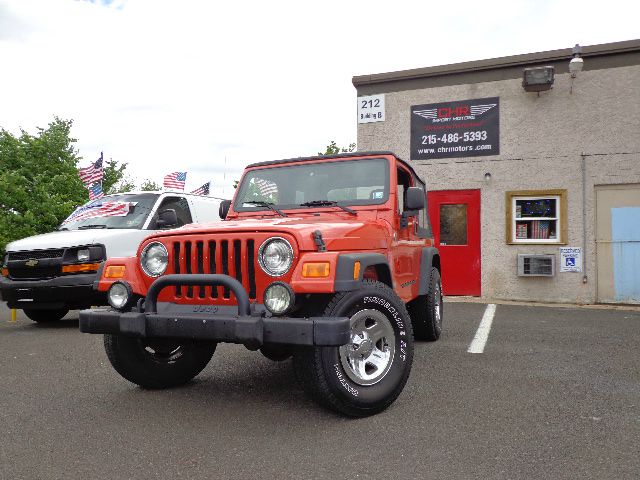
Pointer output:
x,y
327,259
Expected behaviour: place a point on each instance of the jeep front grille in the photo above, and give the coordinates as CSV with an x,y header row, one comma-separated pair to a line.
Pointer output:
x,y
235,258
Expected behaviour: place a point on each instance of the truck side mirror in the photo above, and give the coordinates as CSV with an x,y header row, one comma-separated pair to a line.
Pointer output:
x,y
415,199
223,210
167,218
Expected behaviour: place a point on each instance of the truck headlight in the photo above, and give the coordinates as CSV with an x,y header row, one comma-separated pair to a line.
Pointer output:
x,y
84,255
154,259
119,295
275,256
279,298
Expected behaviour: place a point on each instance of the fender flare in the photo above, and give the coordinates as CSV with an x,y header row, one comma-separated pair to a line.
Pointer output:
x,y
344,280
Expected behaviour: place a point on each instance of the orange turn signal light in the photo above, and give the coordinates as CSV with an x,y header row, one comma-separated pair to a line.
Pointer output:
x,y
4,272
81,267
315,269
356,271
114,271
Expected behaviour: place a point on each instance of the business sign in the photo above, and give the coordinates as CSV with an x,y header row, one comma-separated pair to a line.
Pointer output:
x,y
570,259
467,128
371,109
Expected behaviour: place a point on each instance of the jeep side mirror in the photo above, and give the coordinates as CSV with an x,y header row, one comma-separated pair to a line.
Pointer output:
x,y
167,218
414,199
223,210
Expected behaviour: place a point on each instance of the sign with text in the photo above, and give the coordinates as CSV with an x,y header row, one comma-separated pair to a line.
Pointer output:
x,y
570,259
466,128
371,109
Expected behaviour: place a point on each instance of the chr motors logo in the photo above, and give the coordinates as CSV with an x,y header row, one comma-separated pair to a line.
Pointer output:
x,y
459,112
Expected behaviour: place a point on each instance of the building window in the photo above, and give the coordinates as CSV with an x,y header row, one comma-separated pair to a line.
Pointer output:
x,y
537,216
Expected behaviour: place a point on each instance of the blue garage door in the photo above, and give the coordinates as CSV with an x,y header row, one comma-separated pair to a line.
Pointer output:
x,y
625,246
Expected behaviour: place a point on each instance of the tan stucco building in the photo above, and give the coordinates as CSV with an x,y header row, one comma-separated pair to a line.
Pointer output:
x,y
538,190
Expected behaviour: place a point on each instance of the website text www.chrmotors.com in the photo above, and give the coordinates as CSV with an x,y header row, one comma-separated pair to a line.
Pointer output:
x,y
459,148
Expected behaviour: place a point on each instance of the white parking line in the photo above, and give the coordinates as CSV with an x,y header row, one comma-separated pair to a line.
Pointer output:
x,y
480,340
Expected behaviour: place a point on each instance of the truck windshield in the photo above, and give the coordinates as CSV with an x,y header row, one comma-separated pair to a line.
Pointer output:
x,y
346,182
113,211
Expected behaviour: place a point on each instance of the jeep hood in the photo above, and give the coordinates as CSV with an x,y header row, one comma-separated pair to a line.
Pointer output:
x,y
337,233
118,242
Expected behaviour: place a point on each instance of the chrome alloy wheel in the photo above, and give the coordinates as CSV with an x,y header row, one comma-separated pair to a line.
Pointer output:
x,y
437,305
368,356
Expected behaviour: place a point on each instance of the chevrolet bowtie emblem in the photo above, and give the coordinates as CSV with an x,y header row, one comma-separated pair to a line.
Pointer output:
x,y
31,263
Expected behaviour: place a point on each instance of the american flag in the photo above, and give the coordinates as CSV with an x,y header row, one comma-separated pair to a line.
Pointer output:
x,y
95,191
265,187
175,180
93,173
540,229
99,209
203,190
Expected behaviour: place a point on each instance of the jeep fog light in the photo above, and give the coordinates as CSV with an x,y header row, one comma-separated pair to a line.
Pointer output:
x,y
275,256
279,298
119,295
83,255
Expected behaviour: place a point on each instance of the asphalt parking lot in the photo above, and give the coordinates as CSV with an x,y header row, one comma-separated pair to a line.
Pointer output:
x,y
555,393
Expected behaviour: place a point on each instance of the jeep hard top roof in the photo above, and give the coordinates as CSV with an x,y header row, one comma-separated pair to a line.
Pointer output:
x,y
337,155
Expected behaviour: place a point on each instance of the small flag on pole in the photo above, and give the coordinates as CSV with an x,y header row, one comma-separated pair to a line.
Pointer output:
x,y
95,191
175,180
203,190
93,173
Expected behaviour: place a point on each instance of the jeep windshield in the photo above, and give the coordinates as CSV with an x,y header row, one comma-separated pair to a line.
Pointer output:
x,y
319,184
113,211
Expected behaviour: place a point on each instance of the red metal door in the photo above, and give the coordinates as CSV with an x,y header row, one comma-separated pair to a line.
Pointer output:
x,y
455,219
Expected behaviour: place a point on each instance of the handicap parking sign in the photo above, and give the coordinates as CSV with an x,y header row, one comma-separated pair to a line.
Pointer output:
x,y
571,259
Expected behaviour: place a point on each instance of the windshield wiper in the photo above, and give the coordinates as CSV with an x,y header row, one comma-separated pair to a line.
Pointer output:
x,y
269,205
87,227
328,203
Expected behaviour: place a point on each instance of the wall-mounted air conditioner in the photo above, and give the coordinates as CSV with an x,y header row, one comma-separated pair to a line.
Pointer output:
x,y
535,265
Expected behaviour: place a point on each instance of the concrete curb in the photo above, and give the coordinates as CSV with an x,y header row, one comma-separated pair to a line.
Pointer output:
x,y
632,308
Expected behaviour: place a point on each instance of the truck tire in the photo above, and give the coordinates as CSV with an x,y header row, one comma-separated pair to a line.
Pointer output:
x,y
365,376
45,316
426,310
276,353
157,363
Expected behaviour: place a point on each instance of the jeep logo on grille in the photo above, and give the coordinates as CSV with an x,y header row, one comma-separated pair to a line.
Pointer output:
x,y
31,262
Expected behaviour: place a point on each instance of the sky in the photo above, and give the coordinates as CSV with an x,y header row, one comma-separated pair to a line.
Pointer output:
x,y
208,87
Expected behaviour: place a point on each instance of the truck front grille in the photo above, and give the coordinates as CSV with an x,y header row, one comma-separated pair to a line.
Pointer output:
x,y
234,257
47,266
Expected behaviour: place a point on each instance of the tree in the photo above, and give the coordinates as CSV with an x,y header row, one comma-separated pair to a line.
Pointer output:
x,y
115,179
333,149
149,185
39,183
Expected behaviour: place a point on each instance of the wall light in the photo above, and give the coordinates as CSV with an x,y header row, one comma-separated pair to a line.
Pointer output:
x,y
576,63
487,177
538,79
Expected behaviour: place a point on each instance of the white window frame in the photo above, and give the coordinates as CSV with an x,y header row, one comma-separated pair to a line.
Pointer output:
x,y
560,216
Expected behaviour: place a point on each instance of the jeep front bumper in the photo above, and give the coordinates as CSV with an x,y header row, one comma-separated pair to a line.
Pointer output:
x,y
246,327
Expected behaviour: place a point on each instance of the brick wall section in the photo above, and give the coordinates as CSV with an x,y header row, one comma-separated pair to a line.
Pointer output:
x,y
542,139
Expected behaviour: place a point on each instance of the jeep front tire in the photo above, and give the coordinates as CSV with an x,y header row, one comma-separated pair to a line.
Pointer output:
x,y
365,376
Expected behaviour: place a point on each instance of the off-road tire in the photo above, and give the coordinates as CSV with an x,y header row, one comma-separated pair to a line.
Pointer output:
x,y
154,363
45,316
327,375
426,310
276,353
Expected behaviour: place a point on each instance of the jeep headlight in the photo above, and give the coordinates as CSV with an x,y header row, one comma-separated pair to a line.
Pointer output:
x,y
275,256
154,259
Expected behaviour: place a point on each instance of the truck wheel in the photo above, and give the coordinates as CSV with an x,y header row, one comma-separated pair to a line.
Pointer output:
x,y
276,353
157,363
365,376
426,310
45,316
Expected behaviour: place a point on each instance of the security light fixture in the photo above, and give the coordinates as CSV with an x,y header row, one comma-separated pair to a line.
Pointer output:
x,y
538,79
576,63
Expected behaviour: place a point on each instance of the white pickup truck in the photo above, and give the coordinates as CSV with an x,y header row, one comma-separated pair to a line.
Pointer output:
x,y
48,275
